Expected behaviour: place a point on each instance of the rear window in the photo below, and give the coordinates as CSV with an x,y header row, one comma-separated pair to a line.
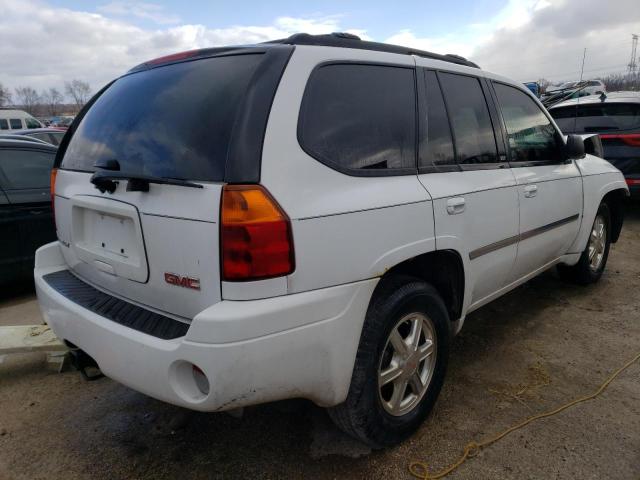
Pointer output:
x,y
173,121
597,118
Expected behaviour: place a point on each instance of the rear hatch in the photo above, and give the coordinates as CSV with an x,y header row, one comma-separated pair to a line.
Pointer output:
x,y
162,140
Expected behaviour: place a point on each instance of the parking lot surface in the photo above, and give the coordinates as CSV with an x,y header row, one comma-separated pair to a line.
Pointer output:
x,y
538,347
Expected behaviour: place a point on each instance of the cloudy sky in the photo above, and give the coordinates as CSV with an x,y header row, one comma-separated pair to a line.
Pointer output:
x,y
45,42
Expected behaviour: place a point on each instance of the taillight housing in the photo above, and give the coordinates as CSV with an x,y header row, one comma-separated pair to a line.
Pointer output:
x,y
255,235
52,189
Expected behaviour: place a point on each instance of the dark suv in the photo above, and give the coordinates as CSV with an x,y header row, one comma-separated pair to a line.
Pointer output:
x,y
616,117
25,205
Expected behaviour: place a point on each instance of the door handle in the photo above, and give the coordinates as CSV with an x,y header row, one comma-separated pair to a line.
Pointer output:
x,y
530,191
455,205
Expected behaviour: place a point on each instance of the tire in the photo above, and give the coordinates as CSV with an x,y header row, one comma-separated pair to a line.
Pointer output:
x,y
399,304
587,270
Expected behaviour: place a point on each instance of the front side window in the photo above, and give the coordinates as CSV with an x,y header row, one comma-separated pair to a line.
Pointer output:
x,y
16,123
32,123
469,114
437,150
531,136
26,168
360,117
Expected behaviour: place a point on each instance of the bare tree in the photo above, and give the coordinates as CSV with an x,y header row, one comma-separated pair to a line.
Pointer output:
x,y
5,95
544,84
52,100
79,92
28,98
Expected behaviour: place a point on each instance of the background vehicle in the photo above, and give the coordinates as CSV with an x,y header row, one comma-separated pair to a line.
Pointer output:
x,y
22,138
317,225
49,135
11,119
616,118
25,205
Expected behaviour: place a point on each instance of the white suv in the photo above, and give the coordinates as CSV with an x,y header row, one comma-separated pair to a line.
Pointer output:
x,y
312,218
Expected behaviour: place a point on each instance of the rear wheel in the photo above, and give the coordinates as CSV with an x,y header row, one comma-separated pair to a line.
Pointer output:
x,y
400,365
593,260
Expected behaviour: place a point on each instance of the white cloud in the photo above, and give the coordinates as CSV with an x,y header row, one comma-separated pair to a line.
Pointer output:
x,y
147,11
42,46
551,41
58,44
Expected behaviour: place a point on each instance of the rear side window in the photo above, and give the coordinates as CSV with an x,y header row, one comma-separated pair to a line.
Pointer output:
x,y
530,134
597,118
16,123
26,169
174,121
359,118
438,146
469,114
4,124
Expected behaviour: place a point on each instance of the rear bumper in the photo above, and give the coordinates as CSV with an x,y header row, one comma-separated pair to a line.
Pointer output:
x,y
300,345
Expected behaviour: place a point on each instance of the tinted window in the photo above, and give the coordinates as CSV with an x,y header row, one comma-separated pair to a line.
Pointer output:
x,y
437,149
469,114
32,123
4,125
173,121
56,138
41,136
16,123
530,134
599,117
26,169
360,117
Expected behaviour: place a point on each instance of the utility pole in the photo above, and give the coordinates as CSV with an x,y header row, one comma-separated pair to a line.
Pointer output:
x,y
633,64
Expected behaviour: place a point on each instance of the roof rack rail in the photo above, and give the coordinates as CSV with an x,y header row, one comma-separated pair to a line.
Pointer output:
x,y
348,40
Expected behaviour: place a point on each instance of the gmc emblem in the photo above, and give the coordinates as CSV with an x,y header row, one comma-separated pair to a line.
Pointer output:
x,y
178,281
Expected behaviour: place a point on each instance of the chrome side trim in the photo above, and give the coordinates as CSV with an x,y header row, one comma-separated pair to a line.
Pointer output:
x,y
492,247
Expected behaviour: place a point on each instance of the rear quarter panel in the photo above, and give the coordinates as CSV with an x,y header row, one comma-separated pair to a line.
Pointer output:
x,y
345,228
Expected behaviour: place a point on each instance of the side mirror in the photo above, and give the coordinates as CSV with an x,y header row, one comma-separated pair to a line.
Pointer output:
x,y
575,147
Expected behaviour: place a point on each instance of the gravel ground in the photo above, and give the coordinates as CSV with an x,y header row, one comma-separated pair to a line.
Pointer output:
x,y
539,346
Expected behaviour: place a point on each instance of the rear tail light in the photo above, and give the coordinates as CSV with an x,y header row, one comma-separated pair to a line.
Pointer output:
x,y
631,139
54,174
256,241
633,181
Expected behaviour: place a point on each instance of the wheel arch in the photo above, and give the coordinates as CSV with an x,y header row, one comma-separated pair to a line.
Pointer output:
x,y
443,269
615,201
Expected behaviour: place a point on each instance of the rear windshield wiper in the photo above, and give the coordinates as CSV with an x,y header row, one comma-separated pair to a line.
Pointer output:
x,y
105,181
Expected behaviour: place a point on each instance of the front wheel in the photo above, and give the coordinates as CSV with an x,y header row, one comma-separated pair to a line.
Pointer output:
x,y
593,260
400,364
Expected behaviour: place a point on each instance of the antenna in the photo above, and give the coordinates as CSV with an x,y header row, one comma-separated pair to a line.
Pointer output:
x,y
633,65
575,117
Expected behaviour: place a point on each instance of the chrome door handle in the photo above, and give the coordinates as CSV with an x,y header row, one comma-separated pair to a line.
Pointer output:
x,y
455,205
530,191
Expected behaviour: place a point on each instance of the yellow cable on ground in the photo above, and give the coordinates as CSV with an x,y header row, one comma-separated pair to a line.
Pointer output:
x,y
421,469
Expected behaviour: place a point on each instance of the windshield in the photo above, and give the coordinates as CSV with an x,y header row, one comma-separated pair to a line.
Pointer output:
x,y
173,121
